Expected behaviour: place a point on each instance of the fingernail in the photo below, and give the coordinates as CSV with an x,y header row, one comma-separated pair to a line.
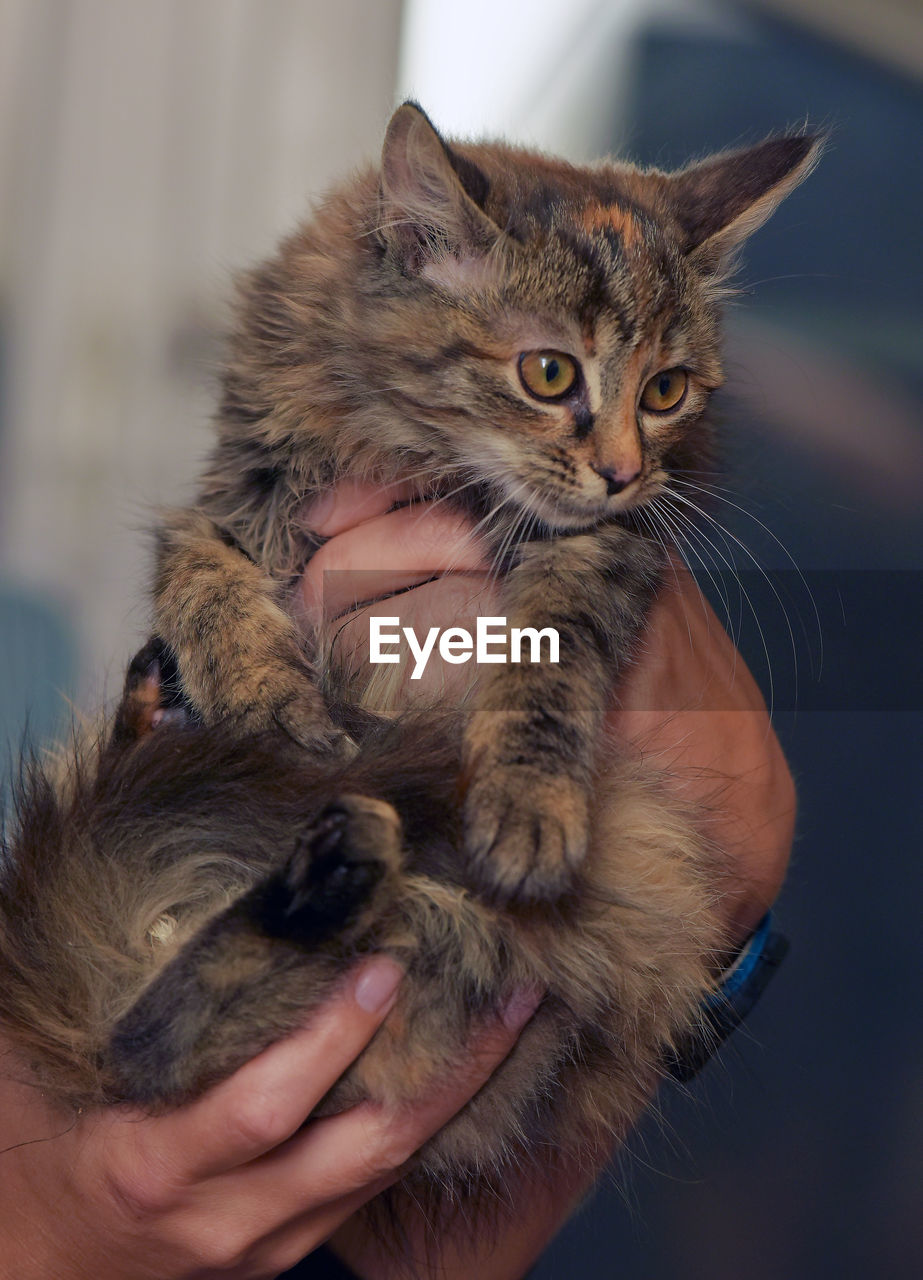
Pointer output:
x,y
520,1007
377,985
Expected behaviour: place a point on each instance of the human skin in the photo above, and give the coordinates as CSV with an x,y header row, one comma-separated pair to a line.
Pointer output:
x,y
231,1185
688,704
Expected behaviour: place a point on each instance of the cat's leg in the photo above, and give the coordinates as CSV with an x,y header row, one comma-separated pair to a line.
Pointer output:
x,y
253,971
530,744
239,653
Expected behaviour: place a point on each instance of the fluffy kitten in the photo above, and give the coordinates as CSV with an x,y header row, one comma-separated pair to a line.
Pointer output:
x,y
182,896
538,341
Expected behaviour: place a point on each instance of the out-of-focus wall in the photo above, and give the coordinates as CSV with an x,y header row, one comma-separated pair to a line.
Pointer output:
x,y
539,72
146,149
888,30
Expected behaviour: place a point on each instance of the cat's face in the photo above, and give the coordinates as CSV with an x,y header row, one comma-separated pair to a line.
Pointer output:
x,y
557,327
577,359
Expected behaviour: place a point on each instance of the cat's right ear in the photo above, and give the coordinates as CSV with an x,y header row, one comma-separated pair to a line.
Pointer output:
x,y
429,207
721,201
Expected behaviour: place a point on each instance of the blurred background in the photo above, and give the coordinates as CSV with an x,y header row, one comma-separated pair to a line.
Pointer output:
x,y
148,149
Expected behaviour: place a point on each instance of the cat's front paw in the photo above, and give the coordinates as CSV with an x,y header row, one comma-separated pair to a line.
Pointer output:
x,y
303,717
332,877
525,832
279,699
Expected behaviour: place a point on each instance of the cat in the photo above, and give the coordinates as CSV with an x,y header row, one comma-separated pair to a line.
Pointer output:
x,y
538,342
178,896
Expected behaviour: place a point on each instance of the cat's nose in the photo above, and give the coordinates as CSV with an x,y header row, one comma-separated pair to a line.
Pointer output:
x,y
616,478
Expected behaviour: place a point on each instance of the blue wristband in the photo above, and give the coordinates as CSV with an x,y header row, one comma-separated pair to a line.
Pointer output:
x,y
726,1008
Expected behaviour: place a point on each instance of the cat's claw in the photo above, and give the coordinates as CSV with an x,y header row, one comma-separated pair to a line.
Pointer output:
x,y
299,719
525,833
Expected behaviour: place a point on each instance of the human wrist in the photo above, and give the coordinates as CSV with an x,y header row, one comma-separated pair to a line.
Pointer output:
x,y
741,985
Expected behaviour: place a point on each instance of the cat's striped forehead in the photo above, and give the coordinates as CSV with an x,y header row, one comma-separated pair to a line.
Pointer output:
x,y
603,261
584,239
612,218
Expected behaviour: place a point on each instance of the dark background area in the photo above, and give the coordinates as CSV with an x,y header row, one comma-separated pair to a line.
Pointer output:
x,y
797,1155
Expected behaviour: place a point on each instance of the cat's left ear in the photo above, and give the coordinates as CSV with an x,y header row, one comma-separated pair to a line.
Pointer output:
x,y
430,196
724,199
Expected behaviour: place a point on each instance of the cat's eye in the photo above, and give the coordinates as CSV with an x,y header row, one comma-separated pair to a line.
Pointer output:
x,y
665,391
548,375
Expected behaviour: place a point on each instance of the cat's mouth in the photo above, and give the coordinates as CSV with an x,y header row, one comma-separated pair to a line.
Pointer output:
x,y
566,511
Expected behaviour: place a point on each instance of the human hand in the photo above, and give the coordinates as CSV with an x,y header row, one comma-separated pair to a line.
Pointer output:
x,y
688,702
234,1184
692,708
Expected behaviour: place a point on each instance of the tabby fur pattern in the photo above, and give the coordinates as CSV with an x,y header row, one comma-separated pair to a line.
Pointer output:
x,y
385,341
175,898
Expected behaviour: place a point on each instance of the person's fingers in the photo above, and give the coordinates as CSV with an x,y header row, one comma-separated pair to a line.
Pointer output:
x,y
268,1099
275,1209
369,1146
387,554
282,1205
351,503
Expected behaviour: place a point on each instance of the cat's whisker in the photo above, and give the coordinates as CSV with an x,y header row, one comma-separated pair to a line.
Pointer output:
x,y
722,561
509,540
667,542
724,533
384,389
516,536
679,542
705,483
710,554
785,551
470,538
716,582
440,498
647,518
471,535
673,537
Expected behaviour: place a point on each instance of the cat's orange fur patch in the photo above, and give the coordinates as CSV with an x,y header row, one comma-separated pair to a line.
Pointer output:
x,y
599,217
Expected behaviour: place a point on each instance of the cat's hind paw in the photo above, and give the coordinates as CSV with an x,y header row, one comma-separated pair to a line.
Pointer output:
x,y
333,874
525,832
